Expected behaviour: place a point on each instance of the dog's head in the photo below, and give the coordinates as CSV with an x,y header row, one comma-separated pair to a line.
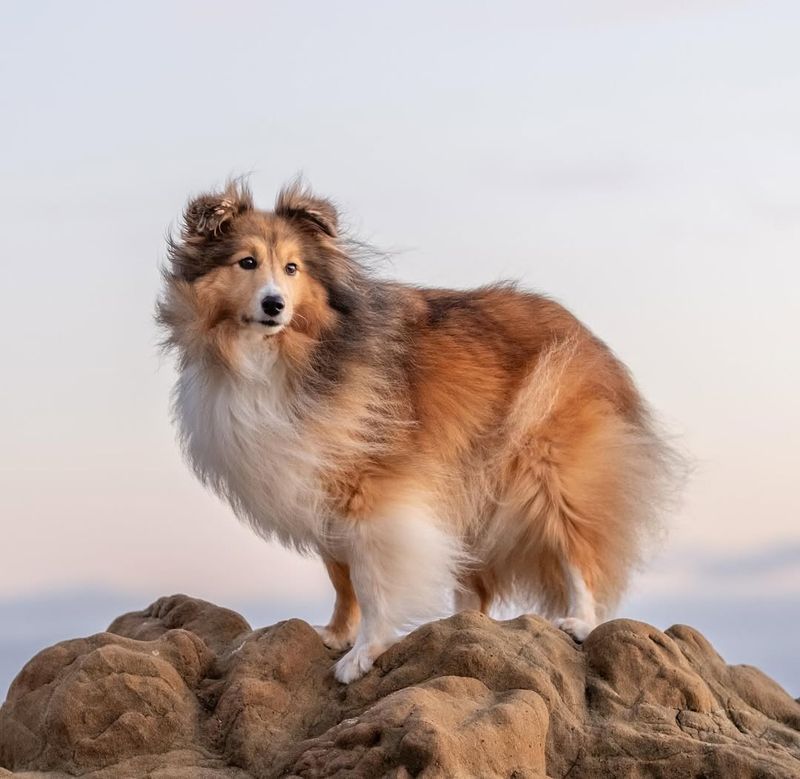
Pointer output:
x,y
269,273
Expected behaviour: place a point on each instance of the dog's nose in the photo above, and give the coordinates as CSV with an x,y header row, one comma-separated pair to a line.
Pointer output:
x,y
272,305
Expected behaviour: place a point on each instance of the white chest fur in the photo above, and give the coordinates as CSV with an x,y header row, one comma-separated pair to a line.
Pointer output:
x,y
245,441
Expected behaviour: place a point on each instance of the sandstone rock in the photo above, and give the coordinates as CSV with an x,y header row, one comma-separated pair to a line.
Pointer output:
x,y
187,689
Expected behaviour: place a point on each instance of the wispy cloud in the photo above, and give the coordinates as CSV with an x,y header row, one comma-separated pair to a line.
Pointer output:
x,y
771,570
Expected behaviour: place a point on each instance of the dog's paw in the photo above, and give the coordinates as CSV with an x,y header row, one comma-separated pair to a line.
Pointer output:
x,y
577,628
337,641
355,663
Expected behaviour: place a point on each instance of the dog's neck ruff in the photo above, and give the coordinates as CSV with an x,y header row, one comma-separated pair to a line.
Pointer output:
x,y
247,436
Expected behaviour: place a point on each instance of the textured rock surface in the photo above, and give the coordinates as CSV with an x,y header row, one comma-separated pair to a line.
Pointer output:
x,y
187,689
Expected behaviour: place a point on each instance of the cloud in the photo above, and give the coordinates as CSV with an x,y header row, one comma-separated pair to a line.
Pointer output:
x,y
769,571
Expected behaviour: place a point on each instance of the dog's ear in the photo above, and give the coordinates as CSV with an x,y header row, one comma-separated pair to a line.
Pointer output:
x,y
206,220
297,203
210,215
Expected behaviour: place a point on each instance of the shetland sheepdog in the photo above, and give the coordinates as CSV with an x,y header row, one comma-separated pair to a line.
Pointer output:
x,y
438,449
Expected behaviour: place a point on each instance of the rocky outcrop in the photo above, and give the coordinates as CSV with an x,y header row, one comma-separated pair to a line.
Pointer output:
x,y
188,689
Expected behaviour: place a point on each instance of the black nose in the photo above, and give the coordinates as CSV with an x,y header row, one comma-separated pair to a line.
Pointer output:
x,y
272,305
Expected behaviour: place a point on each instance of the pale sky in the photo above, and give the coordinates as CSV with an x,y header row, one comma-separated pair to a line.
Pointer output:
x,y
640,164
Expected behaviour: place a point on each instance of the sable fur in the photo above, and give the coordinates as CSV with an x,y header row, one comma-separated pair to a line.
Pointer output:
x,y
422,441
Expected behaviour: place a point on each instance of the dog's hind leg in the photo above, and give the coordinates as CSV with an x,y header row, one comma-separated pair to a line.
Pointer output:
x,y
580,493
581,616
341,631
403,568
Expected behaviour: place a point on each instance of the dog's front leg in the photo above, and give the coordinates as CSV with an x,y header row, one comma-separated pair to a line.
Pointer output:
x,y
379,626
404,567
340,632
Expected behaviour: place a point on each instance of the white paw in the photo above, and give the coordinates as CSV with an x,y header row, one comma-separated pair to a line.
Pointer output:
x,y
356,663
332,640
577,628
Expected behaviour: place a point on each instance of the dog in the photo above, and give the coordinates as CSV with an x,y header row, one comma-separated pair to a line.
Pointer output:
x,y
438,449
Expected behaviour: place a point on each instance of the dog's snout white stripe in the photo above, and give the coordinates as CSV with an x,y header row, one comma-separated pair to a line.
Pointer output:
x,y
271,289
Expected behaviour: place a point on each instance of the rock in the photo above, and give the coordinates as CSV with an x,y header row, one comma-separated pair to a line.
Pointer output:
x,y
188,689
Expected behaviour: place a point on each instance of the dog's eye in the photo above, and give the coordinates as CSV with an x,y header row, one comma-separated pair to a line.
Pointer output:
x,y
248,263
291,269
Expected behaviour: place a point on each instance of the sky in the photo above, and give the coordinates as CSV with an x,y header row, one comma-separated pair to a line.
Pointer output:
x,y
638,162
